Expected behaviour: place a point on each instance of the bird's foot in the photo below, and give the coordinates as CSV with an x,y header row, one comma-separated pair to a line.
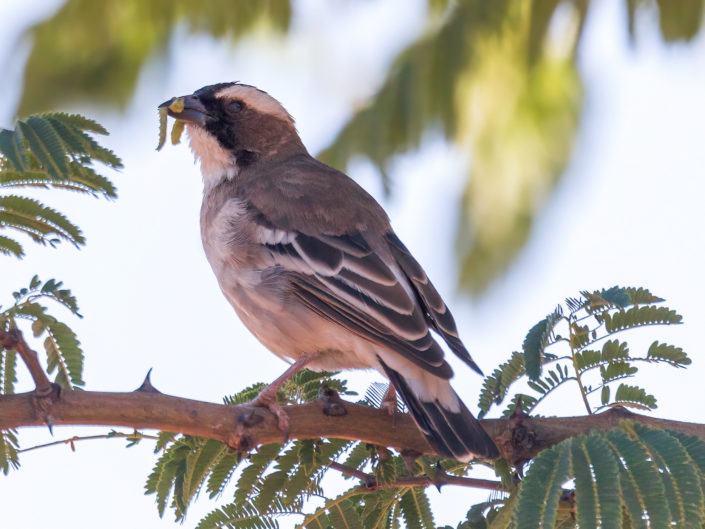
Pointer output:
x,y
267,398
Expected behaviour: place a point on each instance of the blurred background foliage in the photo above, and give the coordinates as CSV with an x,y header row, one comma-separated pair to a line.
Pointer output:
x,y
498,79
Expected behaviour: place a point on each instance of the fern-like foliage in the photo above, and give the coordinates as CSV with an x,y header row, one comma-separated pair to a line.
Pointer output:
x,y
633,476
52,150
63,350
286,480
564,348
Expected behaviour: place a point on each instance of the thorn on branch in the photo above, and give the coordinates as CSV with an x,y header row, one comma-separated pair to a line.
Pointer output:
x,y
147,386
333,405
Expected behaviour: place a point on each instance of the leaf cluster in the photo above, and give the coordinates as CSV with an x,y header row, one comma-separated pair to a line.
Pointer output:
x,y
53,150
63,350
630,477
564,347
287,480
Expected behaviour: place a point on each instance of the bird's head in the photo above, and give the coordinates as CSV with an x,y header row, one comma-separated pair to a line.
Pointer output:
x,y
232,126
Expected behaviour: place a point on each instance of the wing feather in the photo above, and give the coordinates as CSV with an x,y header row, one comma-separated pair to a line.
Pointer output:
x,y
342,279
436,310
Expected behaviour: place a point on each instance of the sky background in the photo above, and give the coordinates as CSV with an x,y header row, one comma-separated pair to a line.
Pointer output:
x,y
628,211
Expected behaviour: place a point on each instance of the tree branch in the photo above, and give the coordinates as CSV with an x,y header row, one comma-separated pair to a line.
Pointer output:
x,y
242,427
13,339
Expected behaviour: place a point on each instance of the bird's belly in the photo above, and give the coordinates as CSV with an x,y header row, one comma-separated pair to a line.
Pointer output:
x,y
292,331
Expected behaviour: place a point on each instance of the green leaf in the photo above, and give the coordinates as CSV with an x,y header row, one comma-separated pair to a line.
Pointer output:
x,y
495,386
164,439
639,316
668,353
80,122
222,472
642,487
616,370
246,395
587,358
385,470
232,516
634,397
616,296
247,485
199,462
45,145
540,492
606,480
680,477
10,247
619,297
416,509
605,395
338,513
586,502
64,354
8,451
615,350
37,220
10,148
343,515
8,371
358,457
536,340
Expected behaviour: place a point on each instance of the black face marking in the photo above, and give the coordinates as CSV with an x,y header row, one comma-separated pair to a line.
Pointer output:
x,y
247,132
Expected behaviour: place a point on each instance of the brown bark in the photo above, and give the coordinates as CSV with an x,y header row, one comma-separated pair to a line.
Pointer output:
x,y
242,427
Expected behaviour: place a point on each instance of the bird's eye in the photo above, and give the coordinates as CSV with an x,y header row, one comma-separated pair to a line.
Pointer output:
x,y
235,106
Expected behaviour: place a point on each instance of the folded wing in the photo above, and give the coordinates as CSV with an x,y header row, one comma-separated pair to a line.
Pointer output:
x,y
342,279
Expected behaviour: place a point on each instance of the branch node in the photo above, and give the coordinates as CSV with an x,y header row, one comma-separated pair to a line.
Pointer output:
x,y
13,339
43,403
240,442
519,441
147,386
333,405
250,418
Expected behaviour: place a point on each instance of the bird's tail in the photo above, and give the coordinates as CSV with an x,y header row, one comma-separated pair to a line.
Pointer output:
x,y
454,434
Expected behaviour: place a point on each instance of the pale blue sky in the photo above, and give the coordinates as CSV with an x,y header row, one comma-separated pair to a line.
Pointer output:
x,y
629,211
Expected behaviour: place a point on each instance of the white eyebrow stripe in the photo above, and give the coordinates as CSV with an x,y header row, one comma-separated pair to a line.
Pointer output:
x,y
257,99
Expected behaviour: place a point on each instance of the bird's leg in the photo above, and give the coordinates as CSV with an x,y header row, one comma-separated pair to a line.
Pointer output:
x,y
389,401
267,398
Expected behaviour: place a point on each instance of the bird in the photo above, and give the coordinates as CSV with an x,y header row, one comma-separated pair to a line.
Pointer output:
x,y
310,263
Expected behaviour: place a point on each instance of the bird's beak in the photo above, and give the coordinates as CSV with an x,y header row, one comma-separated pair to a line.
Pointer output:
x,y
193,110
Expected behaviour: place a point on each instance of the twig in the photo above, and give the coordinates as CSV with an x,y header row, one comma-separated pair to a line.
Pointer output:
x,y
75,438
352,472
441,478
444,479
13,339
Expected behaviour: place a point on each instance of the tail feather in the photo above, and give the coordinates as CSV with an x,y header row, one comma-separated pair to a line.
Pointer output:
x,y
455,434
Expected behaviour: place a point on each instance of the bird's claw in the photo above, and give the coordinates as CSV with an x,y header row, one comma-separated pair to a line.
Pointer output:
x,y
269,400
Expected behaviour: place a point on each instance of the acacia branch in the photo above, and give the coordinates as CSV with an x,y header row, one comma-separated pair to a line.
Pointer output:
x,y
13,339
242,427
